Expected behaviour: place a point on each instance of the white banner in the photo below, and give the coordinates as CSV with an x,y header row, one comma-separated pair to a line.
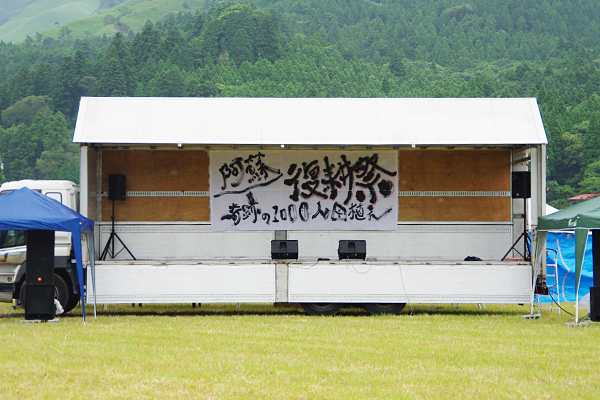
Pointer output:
x,y
303,190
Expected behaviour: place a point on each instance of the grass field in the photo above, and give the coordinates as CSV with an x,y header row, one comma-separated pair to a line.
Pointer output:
x,y
258,351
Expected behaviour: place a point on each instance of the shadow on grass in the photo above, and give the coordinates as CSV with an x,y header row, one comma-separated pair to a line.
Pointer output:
x,y
467,309
230,310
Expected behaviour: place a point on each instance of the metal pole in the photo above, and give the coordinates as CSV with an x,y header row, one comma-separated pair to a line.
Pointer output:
x,y
112,217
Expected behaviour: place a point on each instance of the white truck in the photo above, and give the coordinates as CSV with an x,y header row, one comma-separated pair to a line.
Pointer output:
x,y
203,188
13,247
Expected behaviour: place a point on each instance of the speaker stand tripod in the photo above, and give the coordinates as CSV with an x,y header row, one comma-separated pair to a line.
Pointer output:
x,y
525,236
109,249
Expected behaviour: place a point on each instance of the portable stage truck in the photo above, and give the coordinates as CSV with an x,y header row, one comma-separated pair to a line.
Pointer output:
x,y
324,202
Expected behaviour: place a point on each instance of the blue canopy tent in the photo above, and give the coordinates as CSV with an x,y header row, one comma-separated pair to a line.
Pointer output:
x,y
579,218
25,209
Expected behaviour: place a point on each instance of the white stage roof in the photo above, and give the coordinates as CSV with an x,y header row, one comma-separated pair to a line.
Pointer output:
x,y
309,121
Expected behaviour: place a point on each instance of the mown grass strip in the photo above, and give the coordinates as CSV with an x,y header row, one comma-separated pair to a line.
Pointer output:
x,y
218,351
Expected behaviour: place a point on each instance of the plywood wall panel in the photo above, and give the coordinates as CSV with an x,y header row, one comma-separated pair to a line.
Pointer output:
x,y
467,209
113,162
472,170
159,209
166,171
156,171
141,170
194,169
195,209
166,208
454,171
474,209
411,209
132,209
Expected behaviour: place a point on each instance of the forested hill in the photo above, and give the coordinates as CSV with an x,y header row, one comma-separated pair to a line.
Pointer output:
x,y
319,48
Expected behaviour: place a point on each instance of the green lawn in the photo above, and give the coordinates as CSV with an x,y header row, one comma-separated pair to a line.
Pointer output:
x,y
218,351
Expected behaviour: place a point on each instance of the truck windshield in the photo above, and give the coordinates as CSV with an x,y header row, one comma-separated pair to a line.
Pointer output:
x,y
12,238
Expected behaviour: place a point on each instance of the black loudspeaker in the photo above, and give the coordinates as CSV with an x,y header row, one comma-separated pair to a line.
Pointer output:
x,y
39,276
521,185
116,187
596,257
284,249
352,249
38,302
595,303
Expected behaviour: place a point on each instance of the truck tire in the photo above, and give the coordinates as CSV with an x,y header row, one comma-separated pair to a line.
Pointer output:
x,y
321,308
72,302
61,291
384,308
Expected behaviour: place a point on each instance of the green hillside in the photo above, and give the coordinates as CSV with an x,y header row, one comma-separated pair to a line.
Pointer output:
x,y
43,15
84,18
549,50
131,15
8,8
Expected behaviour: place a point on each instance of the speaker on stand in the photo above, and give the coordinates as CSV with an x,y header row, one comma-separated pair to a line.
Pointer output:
x,y
116,191
521,185
117,187
521,189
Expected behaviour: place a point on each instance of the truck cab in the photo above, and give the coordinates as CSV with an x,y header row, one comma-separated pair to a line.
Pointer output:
x,y
13,247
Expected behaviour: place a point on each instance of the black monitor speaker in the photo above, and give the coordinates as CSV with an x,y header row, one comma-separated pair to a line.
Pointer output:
x,y
284,249
352,249
116,187
38,299
521,185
